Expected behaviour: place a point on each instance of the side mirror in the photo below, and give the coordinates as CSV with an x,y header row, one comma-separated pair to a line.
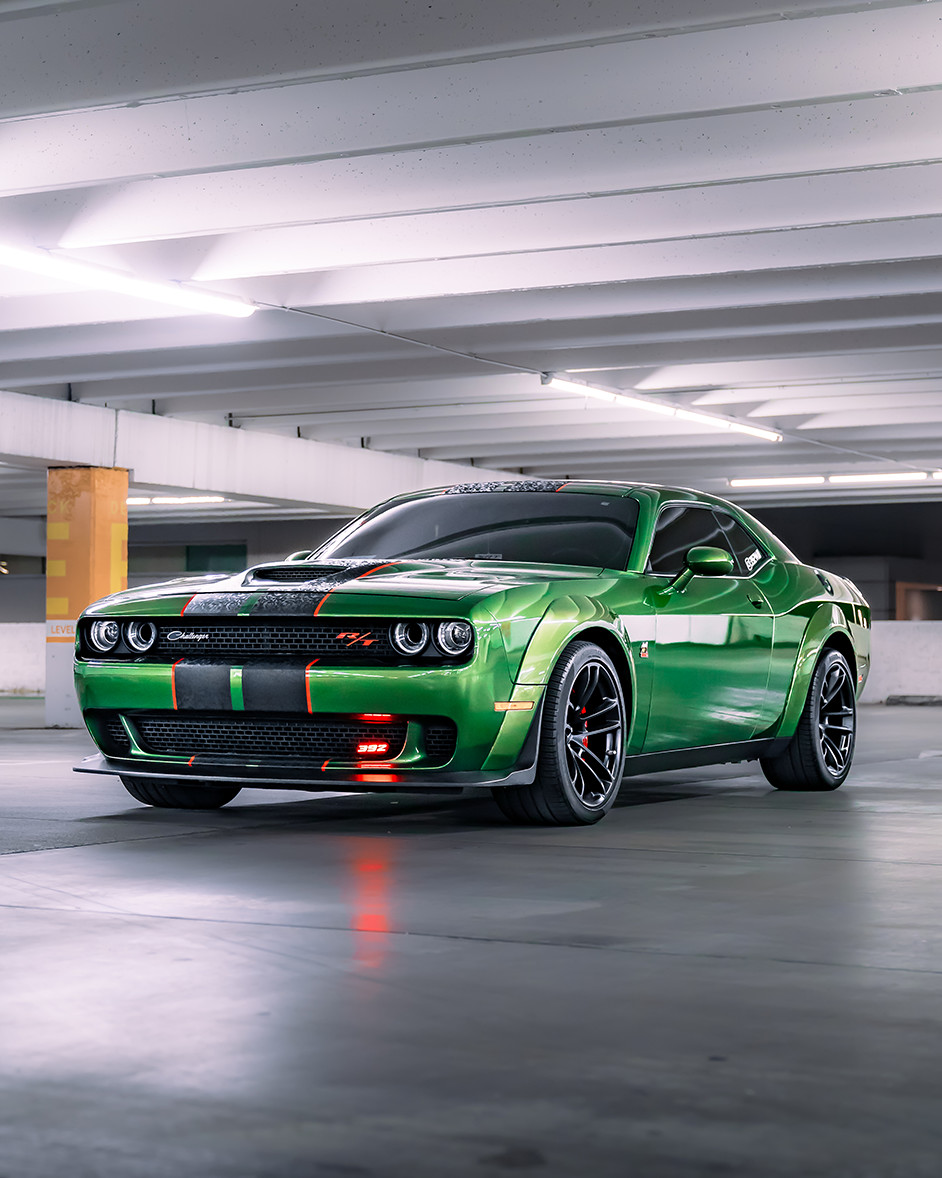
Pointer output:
x,y
702,561
302,555
709,562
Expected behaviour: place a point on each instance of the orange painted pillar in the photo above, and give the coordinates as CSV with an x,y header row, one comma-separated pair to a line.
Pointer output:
x,y
86,558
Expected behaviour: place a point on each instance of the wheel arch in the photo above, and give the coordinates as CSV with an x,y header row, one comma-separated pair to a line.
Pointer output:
x,y
609,641
826,630
841,642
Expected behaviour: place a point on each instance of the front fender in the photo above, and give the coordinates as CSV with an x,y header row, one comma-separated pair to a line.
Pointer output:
x,y
559,625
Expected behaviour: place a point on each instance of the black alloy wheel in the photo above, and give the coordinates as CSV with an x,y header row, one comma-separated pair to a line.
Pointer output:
x,y
582,744
820,754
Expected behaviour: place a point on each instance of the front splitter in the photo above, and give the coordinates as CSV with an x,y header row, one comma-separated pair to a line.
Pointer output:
x,y
274,776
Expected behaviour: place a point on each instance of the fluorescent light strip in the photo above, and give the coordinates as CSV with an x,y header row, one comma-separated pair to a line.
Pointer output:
x,y
174,500
805,480
626,401
91,277
884,476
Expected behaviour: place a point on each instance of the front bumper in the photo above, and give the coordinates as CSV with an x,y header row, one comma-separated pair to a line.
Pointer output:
x,y
492,748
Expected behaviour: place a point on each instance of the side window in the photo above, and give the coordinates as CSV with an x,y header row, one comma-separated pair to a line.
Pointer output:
x,y
747,552
678,530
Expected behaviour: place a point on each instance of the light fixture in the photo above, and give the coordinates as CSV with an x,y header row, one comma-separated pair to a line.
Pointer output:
x,y
174,500
804,480
83,274
649,405
883,476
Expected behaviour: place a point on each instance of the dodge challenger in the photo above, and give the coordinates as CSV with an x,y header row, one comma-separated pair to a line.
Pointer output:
x,y
541,638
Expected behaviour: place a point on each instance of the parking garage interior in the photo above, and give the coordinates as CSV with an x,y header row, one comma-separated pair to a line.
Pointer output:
x,y
263,267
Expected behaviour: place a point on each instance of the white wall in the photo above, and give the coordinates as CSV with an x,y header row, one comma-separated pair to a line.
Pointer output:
x,y
22,658
907,660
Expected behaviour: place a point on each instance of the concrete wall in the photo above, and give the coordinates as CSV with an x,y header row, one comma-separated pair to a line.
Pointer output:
x,y
907,659
22,658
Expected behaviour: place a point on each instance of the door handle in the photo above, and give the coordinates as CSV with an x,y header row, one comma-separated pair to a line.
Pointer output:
x,y
757,602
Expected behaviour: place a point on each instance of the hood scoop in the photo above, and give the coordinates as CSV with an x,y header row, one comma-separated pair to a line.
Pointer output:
x,y
297,573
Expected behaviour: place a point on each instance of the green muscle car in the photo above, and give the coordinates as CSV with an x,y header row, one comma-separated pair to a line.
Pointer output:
x,y
541,638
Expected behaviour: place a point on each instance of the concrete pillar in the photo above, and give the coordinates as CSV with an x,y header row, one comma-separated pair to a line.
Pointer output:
x,y
86,558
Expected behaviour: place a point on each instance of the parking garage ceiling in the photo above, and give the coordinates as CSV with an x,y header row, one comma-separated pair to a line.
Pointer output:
x,y
729,207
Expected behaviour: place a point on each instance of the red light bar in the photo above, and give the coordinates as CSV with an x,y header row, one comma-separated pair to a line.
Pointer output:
x,y
375,717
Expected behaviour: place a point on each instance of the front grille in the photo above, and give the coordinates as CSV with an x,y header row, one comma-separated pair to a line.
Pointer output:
x,y
440,741
350,640
313,738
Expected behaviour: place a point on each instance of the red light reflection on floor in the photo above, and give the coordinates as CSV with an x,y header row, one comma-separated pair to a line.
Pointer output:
x,y
370,868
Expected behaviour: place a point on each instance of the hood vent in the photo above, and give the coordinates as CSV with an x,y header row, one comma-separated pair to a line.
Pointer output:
x,y
298,573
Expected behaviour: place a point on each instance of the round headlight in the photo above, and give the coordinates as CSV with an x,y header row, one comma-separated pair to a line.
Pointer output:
x,y
104,634
409,637
140,636
453,637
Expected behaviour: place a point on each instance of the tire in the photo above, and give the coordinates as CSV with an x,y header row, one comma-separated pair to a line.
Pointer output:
x,y
576,781
818,757
169,793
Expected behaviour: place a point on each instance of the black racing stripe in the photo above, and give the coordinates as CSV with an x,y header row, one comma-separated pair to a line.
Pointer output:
x,y
215,605
273,688
202,686
281,604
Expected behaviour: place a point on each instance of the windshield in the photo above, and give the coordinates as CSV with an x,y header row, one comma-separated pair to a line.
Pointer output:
x,y
526,527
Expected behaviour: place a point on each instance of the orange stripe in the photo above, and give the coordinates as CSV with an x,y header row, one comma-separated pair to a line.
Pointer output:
x,y
369,572
324,766
307,686
320,603
191,760
569,484
173,682
183,611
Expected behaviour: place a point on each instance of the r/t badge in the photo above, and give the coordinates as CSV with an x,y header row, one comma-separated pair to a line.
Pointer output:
x,y
643,652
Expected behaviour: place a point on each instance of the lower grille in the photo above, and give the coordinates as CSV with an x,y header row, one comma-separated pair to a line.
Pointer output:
x,y
440,741
113,735
265,737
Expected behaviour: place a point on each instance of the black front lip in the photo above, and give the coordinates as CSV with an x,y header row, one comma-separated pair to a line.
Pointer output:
x,y
273,775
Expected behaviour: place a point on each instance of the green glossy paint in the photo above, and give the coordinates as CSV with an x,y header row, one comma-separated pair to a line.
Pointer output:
x,y
704,659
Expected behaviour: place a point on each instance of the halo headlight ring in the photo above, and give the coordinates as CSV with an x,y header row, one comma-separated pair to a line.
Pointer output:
x,y
140,636
454,638
409,638
104,635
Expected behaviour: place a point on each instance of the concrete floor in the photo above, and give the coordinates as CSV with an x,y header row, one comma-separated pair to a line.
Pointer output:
x,y
718,980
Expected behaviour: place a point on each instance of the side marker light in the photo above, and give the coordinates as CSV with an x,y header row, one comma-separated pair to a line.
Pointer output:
x,y
519,705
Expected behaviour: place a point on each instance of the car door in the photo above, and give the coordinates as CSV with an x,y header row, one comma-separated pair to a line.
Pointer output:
x,y
712,650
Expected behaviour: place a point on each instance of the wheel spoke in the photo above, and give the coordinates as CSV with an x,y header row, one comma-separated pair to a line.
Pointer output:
x,y
606,707
604,782
601,731
832,685
837,757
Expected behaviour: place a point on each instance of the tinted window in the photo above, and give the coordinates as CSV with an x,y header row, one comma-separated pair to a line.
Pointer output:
x,y
747,552
678,530
529,527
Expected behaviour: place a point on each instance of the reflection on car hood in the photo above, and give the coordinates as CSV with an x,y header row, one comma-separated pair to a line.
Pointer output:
x,y
452,579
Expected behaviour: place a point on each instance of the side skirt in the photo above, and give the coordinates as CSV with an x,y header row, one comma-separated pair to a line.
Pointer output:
x,y
708,754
